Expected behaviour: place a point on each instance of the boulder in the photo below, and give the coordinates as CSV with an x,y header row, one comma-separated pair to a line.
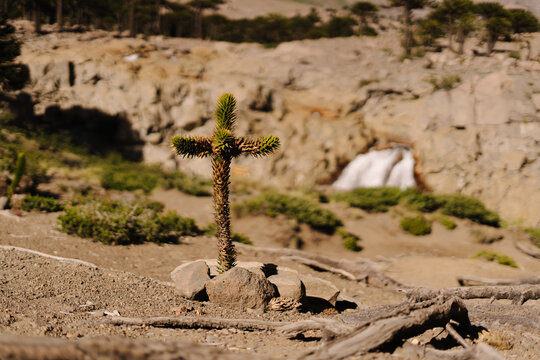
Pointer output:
x,y
190,279
240,288
319,288
288,285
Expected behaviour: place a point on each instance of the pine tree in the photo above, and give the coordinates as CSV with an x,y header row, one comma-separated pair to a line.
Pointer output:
x,y
199,6
457,17
12,76
364,10
222,147
408,7
497,22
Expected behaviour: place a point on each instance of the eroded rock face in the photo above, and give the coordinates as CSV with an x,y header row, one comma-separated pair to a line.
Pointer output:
x,y
240,288
328,100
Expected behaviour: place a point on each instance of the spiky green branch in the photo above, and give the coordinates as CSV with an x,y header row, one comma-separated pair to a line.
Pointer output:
x,y
223,146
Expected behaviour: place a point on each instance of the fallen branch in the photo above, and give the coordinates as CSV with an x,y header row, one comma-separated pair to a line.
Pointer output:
x,y
477,281
189,322
58,258
518,294
330,328
387,334
527,250
362,270
323,267
480,351
114,348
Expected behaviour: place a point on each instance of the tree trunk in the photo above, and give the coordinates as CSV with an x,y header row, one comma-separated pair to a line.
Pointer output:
x,y
198,20
132,29
450,35
491,44
221,174
407,41
158,17
37,17
59,14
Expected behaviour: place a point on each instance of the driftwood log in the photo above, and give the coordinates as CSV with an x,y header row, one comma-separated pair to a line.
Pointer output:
x,y
477,281
192,322
388,333
518,293
361,270
527,250
46,348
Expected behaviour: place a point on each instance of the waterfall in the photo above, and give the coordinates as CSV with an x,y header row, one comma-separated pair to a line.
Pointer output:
x,y
389,167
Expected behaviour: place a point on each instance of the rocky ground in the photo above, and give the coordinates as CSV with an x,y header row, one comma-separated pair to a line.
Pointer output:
x,y
46,297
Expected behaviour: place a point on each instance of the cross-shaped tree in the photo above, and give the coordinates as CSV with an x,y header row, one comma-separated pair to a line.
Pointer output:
x,y
223,146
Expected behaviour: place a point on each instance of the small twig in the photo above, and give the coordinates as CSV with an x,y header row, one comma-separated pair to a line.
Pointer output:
x,y
453,333
58,258
477,281
320,266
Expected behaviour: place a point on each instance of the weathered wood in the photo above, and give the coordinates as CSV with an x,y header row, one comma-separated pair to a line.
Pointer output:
x,y
320,266
478,281
388,333
192,322
111,348
330,328
527,250
361,270
518,293
479,351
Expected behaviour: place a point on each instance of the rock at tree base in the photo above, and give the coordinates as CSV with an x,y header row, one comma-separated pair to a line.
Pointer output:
x,y
190,279
240,288
319,288
288,285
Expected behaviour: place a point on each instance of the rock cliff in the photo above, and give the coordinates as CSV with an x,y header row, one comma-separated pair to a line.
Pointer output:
x,y
473,122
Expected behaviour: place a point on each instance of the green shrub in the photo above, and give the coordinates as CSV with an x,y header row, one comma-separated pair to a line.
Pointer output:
x,y
130,176
113,222
305,211
493,256
424,202
514,54
445,83
377,199
446,222
40,203
416,225
188,184
535,235
466,207
350,241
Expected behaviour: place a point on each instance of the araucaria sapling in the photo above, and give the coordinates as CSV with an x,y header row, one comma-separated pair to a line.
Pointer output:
x,y
222,147
20,167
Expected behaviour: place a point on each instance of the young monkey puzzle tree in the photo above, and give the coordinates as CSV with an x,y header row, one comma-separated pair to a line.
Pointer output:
x,y
223,146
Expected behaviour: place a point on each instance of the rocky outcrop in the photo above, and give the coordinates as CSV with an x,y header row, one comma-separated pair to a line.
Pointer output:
x,y
328,100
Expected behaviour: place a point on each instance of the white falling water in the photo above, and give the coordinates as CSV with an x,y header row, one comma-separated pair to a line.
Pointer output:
x,y
390,167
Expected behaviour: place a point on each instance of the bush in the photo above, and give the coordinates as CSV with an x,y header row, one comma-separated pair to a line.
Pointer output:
x,y
372,199
120,223
469,208
493,256
416,225
130,177
306,211
350,241
424,202
40,203
446,83
446,222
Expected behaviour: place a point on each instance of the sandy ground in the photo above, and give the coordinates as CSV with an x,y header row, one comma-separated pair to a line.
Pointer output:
x,y
44,297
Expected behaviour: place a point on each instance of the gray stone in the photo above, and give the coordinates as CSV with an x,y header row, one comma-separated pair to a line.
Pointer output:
x,y
3,202
319,288
240,288
190,279
288,285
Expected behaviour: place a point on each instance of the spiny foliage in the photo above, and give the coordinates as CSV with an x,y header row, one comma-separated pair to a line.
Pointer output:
x,y
223,146
20,168
303,210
